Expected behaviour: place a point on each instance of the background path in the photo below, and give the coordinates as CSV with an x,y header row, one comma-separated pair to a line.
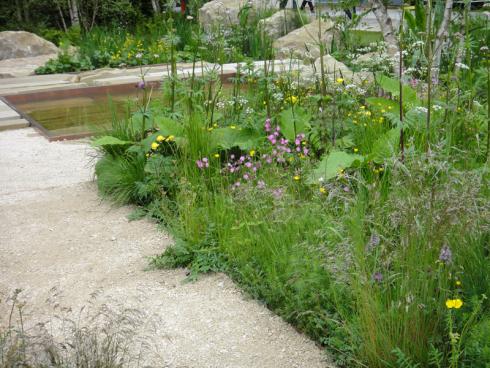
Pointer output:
x,y
60,242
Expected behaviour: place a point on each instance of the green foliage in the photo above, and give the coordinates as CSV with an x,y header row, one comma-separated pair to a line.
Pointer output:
x,y
393,86
109,140
332,165
354,260
477,352
119,177
294,121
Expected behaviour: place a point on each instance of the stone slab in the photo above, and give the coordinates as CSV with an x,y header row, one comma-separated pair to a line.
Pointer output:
x,y
8,114
13,124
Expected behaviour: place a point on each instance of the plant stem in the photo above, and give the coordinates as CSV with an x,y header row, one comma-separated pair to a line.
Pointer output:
x,y
400,71
429,70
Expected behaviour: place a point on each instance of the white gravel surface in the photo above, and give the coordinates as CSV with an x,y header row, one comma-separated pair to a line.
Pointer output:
x,y
60,242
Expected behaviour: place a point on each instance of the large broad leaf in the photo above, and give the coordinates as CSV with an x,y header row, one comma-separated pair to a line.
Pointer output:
x,y
383,103
108,140
293,122
167,126
386,146
226,138
393,86
331,164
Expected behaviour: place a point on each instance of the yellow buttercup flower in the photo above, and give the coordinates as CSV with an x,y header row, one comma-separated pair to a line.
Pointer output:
x,y
154,145
356,149
458,283
170,138
323,190
216,155
293,99
454,303
252,153
232,127
339,80
160,138
296,177
449,304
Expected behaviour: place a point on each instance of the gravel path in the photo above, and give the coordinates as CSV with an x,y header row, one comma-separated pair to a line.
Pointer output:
x,y
60,243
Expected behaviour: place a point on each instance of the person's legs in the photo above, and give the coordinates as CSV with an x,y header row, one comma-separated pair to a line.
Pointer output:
x,y
310,4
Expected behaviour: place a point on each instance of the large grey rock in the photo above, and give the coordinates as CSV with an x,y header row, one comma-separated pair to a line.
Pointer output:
x,y
21,67
279,24
226,12
333,69
20,44
332,66
304,43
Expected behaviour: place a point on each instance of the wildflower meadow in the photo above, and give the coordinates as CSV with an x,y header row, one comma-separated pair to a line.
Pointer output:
x,y
357,209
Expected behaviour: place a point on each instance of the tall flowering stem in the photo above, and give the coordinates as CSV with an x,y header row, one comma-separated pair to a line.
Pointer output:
x,y
400,40
429,69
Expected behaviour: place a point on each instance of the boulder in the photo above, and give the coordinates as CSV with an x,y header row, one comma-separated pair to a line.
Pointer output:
x,y
303,43
334,69
332,66
21,67
279,24
20,44
226,12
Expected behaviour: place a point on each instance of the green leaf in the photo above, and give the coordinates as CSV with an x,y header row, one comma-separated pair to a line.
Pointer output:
x,y
386,146
415,120
393,86
146,143
248,138
294,121
227,138
383,103
158,164
345,142
167,126
108,140
332,163
224,138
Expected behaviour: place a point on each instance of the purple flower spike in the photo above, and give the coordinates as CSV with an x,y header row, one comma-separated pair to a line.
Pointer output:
x,y
378,277
267,125
141,84
277,193
446,255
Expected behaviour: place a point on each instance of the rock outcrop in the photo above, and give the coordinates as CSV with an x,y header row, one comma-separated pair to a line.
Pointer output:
x,y
279,24
20,44
303,43
22,67
226,12
333,69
